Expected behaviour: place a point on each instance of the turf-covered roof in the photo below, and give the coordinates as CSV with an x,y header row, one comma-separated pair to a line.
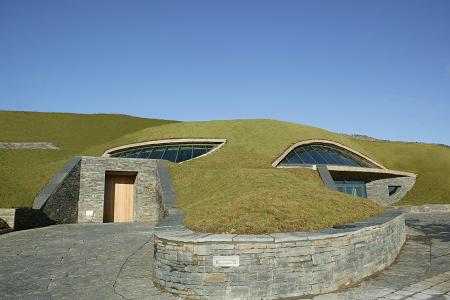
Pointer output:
x,y
235,189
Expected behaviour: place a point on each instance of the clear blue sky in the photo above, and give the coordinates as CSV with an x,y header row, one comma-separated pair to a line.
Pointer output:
x,y
380,68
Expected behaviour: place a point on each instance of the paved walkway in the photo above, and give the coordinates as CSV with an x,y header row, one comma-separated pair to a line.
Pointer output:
x,y
421,271
112,261
85,261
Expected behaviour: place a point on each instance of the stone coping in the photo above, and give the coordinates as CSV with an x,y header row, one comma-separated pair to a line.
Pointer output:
x,y
444,208
171,228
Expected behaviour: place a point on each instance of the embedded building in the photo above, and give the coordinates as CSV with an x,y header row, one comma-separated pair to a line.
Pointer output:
x,y
125,183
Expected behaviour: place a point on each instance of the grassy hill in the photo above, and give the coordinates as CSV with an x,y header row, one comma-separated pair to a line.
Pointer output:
x,y
237,190
25,172
232,190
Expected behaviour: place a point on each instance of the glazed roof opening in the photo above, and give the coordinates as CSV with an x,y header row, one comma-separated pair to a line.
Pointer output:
x,y
176,151
324,153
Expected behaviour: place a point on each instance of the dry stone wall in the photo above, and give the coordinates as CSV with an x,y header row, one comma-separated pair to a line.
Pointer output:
x,y
269,266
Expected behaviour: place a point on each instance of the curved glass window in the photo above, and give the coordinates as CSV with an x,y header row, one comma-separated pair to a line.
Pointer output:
x,y
173,152
323,154
352,187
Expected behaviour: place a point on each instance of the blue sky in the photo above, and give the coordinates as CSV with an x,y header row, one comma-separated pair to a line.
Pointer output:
x,y
380,68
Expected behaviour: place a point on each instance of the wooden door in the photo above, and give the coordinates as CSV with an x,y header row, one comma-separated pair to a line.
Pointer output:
x,y
119,198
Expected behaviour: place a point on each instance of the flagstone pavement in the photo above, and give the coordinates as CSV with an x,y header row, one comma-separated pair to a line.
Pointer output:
x,y
113,261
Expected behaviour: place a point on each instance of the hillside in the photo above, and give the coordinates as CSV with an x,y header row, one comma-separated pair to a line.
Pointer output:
x,y
25,172
234,189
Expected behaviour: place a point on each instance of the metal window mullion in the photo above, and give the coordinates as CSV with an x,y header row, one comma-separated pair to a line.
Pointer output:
x,y
136,153
151,151
165,149
295,152
310,156
178,152
318,151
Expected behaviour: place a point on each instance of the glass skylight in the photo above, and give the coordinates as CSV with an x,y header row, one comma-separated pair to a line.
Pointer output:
x,y
173,152
314,154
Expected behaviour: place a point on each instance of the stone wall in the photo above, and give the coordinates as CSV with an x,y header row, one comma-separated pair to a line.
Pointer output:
x,y
92,188
62,205
269,266
377,190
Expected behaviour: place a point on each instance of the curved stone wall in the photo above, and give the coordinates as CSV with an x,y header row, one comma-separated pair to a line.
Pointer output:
x,y
227,266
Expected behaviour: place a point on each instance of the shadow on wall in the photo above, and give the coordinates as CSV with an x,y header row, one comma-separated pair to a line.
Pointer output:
x,y
27,218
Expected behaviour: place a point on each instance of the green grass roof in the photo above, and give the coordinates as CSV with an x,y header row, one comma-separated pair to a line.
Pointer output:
x,y
235,189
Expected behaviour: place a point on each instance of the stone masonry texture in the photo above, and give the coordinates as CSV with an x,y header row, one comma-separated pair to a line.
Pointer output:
x,y
274,265
377,190
147,194
62,205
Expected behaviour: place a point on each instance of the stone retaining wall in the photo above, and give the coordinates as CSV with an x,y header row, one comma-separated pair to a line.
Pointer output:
x,y
269,266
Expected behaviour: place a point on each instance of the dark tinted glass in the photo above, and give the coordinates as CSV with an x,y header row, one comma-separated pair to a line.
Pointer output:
x,y
185,153
325,154
157,152
170,153
173,152
134,154
305,156
352,187
198,150
145,153
293,158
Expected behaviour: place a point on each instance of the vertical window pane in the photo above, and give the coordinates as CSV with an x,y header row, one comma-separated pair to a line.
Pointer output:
x,y
171,153
305,156
292,158
185,153
145,153
198,150
157,152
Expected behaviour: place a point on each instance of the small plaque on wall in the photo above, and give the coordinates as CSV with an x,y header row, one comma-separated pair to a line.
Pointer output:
x,y
226,261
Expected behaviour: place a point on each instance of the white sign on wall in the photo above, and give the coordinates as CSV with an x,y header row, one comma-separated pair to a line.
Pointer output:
x,y
226,261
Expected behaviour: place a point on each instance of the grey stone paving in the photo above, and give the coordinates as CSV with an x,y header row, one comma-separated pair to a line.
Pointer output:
x,y
84,261
112,261
422,270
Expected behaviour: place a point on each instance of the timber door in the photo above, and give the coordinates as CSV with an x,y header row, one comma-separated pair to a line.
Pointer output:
x,y
119,198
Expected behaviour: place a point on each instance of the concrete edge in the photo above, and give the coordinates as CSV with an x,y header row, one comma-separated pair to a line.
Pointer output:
x,y
222,141
424,208
330,142
40,200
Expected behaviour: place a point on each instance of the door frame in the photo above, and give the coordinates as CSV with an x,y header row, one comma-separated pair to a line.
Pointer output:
x,y
121,173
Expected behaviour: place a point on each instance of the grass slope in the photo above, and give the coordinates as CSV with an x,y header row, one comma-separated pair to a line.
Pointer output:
x,y
24,172
236,189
